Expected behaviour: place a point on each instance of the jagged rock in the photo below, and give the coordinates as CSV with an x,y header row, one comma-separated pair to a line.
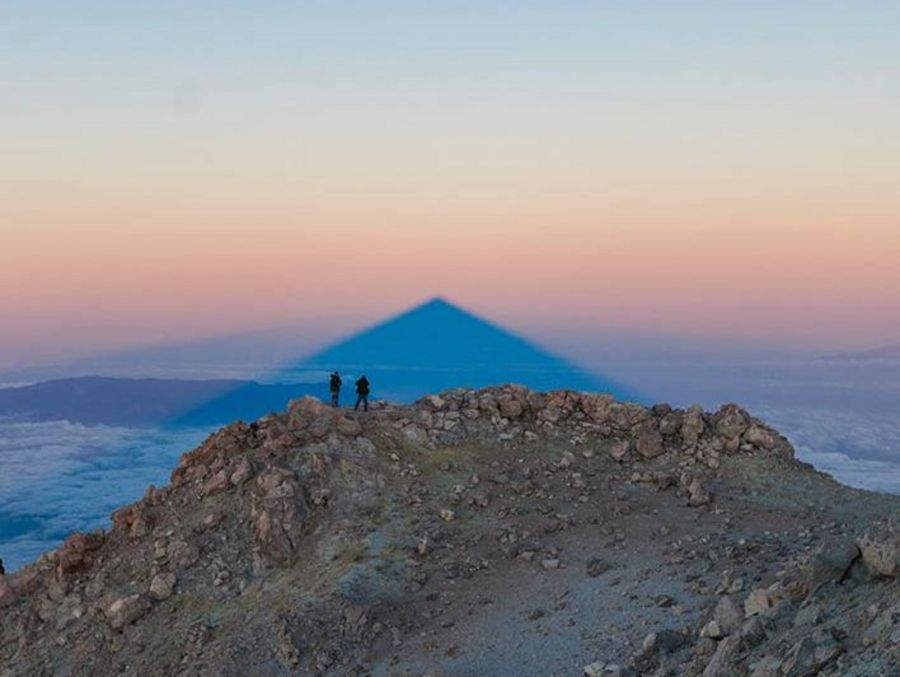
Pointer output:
x,y
216,483
358,519
278,513
436,402
831,561
762,600
671,423
721,663
242,472
728,615
692,426
126,610
649,441
731,422
76,553
510,406
881,551
810,655
162,585
759,437
696,492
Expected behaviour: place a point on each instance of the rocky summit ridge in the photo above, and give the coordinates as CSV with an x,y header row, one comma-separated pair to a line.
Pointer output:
x,y
495,531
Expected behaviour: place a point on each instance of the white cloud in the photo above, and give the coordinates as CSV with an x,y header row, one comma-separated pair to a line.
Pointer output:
x,y
60,477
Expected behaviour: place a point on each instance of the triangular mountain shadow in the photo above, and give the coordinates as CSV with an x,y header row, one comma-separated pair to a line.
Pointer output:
x,y
437,345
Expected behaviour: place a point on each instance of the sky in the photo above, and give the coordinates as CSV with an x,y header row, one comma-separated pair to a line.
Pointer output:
x,y
173,170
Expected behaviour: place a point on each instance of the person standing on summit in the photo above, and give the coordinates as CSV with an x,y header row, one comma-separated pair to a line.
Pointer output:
x,y
362,392
335,387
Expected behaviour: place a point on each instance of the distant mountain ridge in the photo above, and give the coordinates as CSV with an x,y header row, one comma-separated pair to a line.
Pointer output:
x,y
432,347
95,400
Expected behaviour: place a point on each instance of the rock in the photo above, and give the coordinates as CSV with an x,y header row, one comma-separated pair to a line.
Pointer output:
x,y
567,460
242,472
182,554
762,601
881,552
650,440
619,450
810,655
697,493
594,669
7,594
721,663
126,610
754,631
447,514
692,426
76,553
712,630
279,511
665,641
759,437
305,411
216,483
550,563
415,434
831,561
510,406
349,427
731,422
162,585
435,402
728,615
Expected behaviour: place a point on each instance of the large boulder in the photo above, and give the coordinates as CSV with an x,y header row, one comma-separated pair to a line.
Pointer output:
x,y
831,561
881,551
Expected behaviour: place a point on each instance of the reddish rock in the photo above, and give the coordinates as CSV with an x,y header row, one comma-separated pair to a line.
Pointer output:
x,y
216,483
650,440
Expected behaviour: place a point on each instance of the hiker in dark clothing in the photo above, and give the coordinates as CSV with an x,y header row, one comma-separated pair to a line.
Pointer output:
x,y
335,386
2,570
362,393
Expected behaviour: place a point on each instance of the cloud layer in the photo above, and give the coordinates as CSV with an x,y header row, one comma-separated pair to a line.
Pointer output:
x,y
61,477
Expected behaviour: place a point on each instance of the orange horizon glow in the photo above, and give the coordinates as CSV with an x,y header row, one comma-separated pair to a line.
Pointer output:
x,y
712,172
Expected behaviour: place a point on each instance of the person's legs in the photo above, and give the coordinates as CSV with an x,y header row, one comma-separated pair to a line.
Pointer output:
x,y
334,398
365,403
358,400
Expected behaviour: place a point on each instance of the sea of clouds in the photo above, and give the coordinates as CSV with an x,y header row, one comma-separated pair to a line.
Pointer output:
x,y
60,477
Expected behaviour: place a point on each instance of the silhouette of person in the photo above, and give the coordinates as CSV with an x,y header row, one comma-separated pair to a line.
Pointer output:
x,y
2,570
362,392
335,387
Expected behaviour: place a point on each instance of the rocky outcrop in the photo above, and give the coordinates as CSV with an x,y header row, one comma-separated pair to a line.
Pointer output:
x,y
306,541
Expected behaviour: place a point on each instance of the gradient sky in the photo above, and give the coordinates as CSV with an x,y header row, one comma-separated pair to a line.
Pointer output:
x,y
171,170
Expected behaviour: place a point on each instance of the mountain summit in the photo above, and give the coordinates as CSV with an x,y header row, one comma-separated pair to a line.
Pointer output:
x,y
438,345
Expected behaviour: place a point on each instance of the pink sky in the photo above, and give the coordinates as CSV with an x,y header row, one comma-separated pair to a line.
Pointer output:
x,y
169,176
